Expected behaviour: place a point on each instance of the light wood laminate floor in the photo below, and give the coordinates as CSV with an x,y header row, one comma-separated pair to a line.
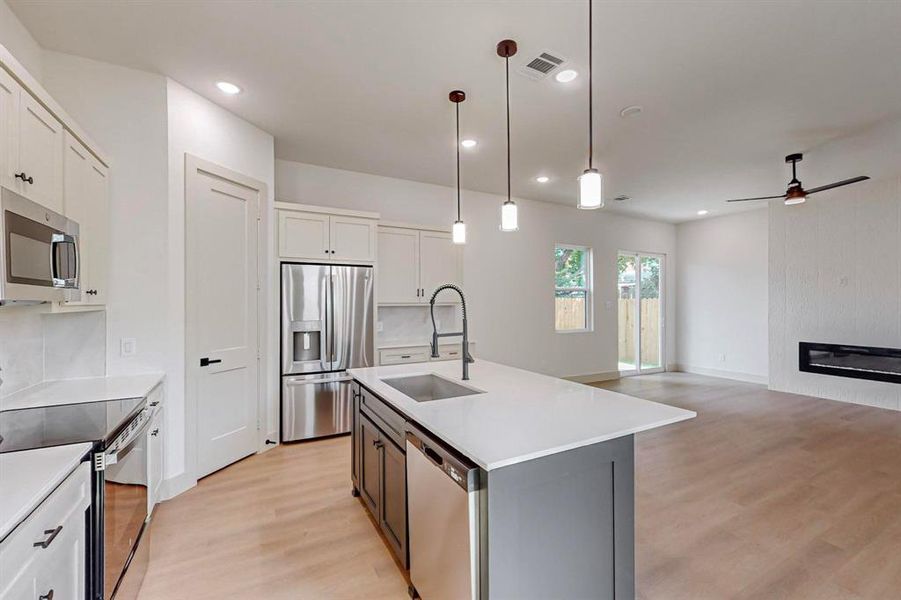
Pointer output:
x,y
764,495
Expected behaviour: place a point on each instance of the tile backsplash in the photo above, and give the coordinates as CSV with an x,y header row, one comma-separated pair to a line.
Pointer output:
x,y
36,346
413,324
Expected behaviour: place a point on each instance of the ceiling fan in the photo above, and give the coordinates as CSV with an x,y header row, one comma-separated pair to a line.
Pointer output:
x,y
795,194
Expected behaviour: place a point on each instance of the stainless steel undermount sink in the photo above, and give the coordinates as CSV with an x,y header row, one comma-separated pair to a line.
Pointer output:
x,y
425,388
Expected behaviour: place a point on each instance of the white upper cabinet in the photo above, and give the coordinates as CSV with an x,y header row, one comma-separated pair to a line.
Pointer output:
x,y
9,130
413,262
303,235
352,238
86,195
40,161
398,266
441,261
320,236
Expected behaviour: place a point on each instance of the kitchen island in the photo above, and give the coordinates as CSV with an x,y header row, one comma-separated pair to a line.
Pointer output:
x,y
547,465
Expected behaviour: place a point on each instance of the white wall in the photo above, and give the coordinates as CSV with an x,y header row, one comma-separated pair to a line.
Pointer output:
x,y
508,277
835,266
721,296
19,42
197,126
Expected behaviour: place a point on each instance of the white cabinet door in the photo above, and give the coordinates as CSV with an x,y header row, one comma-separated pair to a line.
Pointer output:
x,y
61,573
85,192
40,154
154,461
398,265
440,262
9,130
352,238
303,235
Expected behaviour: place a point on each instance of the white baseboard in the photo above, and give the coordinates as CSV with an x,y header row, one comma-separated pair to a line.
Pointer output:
x,y
736,375
177,485
594,377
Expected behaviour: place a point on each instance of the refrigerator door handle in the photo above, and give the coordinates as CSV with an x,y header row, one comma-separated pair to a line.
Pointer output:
x,y
326,340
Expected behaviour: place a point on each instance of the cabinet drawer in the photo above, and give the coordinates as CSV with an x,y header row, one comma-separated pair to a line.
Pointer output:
x,y
63,511
397,356
452,351
385,417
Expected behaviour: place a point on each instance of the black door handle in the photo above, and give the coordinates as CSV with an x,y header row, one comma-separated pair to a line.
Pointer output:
x,y
205,362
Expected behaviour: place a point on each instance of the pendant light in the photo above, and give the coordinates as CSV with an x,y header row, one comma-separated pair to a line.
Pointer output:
x,y
591,193
459,230
509,216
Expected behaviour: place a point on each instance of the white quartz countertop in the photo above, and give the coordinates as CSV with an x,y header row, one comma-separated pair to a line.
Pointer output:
x,y
77,391
522,415
28,477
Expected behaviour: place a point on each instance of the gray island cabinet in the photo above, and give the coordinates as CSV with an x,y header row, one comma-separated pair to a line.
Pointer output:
x,y
551,500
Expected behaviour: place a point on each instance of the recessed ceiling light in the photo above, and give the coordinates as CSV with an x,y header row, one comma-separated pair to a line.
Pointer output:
x,y
566,75
228,88
542,179
702,212
468,143
630,111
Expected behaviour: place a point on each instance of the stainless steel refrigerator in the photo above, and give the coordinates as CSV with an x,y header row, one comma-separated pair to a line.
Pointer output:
x,y
326,328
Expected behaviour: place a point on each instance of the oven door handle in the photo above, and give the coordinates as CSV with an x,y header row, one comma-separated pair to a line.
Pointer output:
x,y
121,452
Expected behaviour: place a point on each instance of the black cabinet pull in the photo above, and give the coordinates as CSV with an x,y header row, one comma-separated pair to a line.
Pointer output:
x,y
378,444
52,533
24,177
205,362
47,596
155,403
91,292
155,432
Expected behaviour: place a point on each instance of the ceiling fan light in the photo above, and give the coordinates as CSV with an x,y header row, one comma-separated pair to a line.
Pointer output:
x,y
459,232
509,216
591,190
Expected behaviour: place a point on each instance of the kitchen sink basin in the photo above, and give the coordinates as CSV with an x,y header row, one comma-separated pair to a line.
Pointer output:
x,y
425,388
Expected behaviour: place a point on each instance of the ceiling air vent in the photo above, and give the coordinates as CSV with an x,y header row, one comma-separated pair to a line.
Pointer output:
x,y
542,65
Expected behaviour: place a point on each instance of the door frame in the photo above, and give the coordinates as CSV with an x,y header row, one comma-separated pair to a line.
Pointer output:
x,y
663,271
193,164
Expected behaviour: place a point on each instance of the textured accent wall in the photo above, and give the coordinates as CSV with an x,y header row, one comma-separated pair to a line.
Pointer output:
x,y
835,277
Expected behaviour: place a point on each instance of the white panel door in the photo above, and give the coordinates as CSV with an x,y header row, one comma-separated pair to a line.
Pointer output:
x,y
303,235
40,154
221,306
441,262
352,238
398,265
9,130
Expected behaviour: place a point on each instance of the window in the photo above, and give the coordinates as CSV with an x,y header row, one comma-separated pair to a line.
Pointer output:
x,y
572,288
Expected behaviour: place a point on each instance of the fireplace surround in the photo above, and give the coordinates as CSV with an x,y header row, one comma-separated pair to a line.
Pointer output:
x,y
858,362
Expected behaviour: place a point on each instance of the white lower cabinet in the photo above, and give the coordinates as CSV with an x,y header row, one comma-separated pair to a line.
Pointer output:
x,y
155,455
45,557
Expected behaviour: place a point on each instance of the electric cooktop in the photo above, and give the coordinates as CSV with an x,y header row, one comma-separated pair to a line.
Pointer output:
x,y
40,427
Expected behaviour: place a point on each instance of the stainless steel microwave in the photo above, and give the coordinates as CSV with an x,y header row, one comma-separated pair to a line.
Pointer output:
x,y
38,253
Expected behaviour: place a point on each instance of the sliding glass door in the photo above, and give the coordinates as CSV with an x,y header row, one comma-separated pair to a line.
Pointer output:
x,y
640,297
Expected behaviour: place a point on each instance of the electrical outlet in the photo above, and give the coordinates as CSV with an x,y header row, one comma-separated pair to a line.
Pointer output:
x,y
723,357
380,327
128,346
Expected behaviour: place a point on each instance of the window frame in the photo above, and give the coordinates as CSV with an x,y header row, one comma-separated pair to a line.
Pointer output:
x,y
588,289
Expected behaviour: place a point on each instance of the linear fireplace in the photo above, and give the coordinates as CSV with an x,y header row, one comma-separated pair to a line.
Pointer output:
x,y
860,362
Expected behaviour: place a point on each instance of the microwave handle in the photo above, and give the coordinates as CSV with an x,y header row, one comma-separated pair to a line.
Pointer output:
x,y
64,238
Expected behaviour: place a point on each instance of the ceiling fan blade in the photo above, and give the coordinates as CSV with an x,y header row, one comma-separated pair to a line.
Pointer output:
x,y
760,198
837,184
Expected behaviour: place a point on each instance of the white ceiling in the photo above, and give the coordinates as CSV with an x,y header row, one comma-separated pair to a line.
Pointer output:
x,y
728,88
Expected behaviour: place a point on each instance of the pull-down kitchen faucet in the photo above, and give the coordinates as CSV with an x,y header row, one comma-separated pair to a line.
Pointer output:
x,y
467,358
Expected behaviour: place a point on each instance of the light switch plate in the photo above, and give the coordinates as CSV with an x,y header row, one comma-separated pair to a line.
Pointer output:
x,y
128,346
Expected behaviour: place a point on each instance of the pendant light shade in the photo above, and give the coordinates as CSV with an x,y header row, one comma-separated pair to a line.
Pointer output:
x,y
458,233
509,213
509,216
591,189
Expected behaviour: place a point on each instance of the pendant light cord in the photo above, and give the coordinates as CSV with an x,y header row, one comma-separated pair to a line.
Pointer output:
x,y
457,105
590,92
507,66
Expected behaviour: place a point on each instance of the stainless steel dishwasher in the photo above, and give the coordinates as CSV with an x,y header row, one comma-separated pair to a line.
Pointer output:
x,y
443,503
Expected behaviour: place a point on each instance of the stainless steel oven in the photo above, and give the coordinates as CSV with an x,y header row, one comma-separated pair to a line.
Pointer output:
x,y
125,487
38,253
